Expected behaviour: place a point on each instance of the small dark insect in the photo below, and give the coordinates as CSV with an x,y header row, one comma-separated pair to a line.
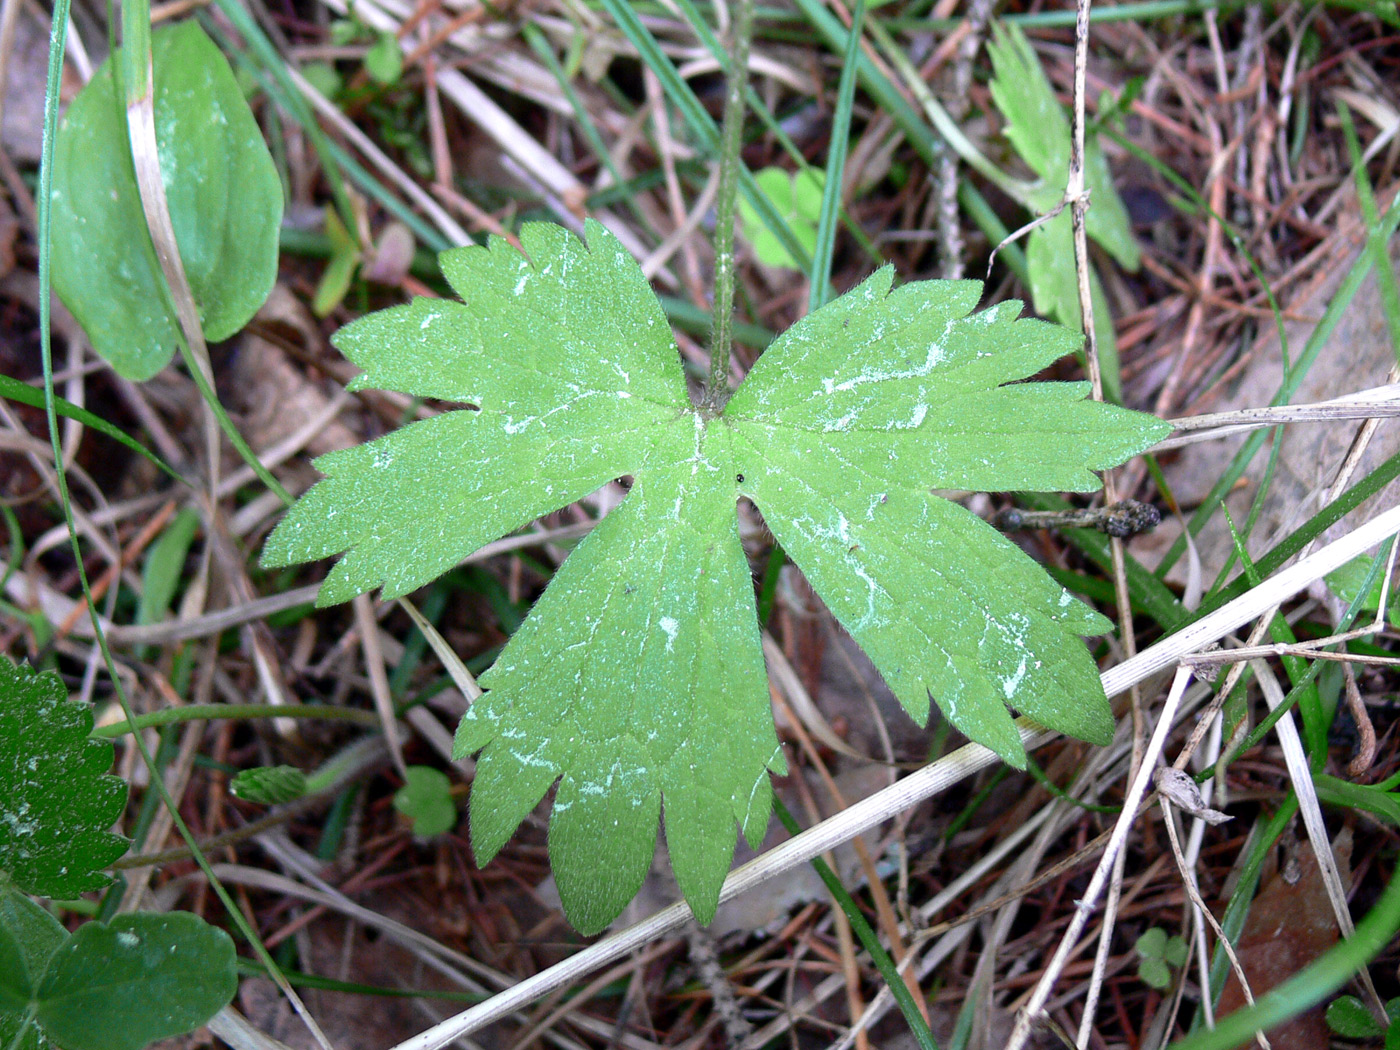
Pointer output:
x,y
1123,519
739,479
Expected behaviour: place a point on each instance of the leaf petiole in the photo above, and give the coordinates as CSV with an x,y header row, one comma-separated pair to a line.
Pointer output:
x,y
25,1023
717,387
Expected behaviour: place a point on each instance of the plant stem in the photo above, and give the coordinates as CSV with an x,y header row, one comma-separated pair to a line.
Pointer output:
x,y
731,138
196,712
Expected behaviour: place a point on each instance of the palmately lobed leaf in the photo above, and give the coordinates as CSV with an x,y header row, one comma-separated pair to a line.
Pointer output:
x,y
57,802
636,684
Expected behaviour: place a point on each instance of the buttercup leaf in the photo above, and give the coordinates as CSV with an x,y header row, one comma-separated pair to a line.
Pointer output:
x,y
637,681
56,801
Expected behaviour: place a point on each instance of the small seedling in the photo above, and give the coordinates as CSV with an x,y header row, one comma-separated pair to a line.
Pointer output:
x,y
797,197
1160,956
426,799
639,674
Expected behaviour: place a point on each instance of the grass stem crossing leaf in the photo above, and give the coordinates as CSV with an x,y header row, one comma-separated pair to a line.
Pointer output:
x,y
637,682
225,202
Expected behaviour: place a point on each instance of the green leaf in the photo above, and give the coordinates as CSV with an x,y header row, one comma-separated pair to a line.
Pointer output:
x,y
1175,952
1153,943
637,682
37,935
340,271
1054,283
33,928
269,785
1155,974
1347,582
224,195
15,987
164,566
1038,128
384,59
139,978
797,197
56,803
426,799
1349,1018
10,1021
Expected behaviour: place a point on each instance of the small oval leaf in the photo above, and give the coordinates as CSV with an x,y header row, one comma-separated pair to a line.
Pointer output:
x,y
1349,1018
224,195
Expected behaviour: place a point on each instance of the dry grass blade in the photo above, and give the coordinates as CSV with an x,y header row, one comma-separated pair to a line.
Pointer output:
x,y
1084,907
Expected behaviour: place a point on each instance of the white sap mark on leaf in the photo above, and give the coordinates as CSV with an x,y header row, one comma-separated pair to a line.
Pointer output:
x,y
623,394
427,321
672,628
530,759
128,940
520,284
878,375
1065,599
1009,684
18,825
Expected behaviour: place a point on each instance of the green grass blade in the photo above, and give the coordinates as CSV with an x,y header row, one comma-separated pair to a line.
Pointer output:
x,y
13,390
819,277
290,98
680,94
